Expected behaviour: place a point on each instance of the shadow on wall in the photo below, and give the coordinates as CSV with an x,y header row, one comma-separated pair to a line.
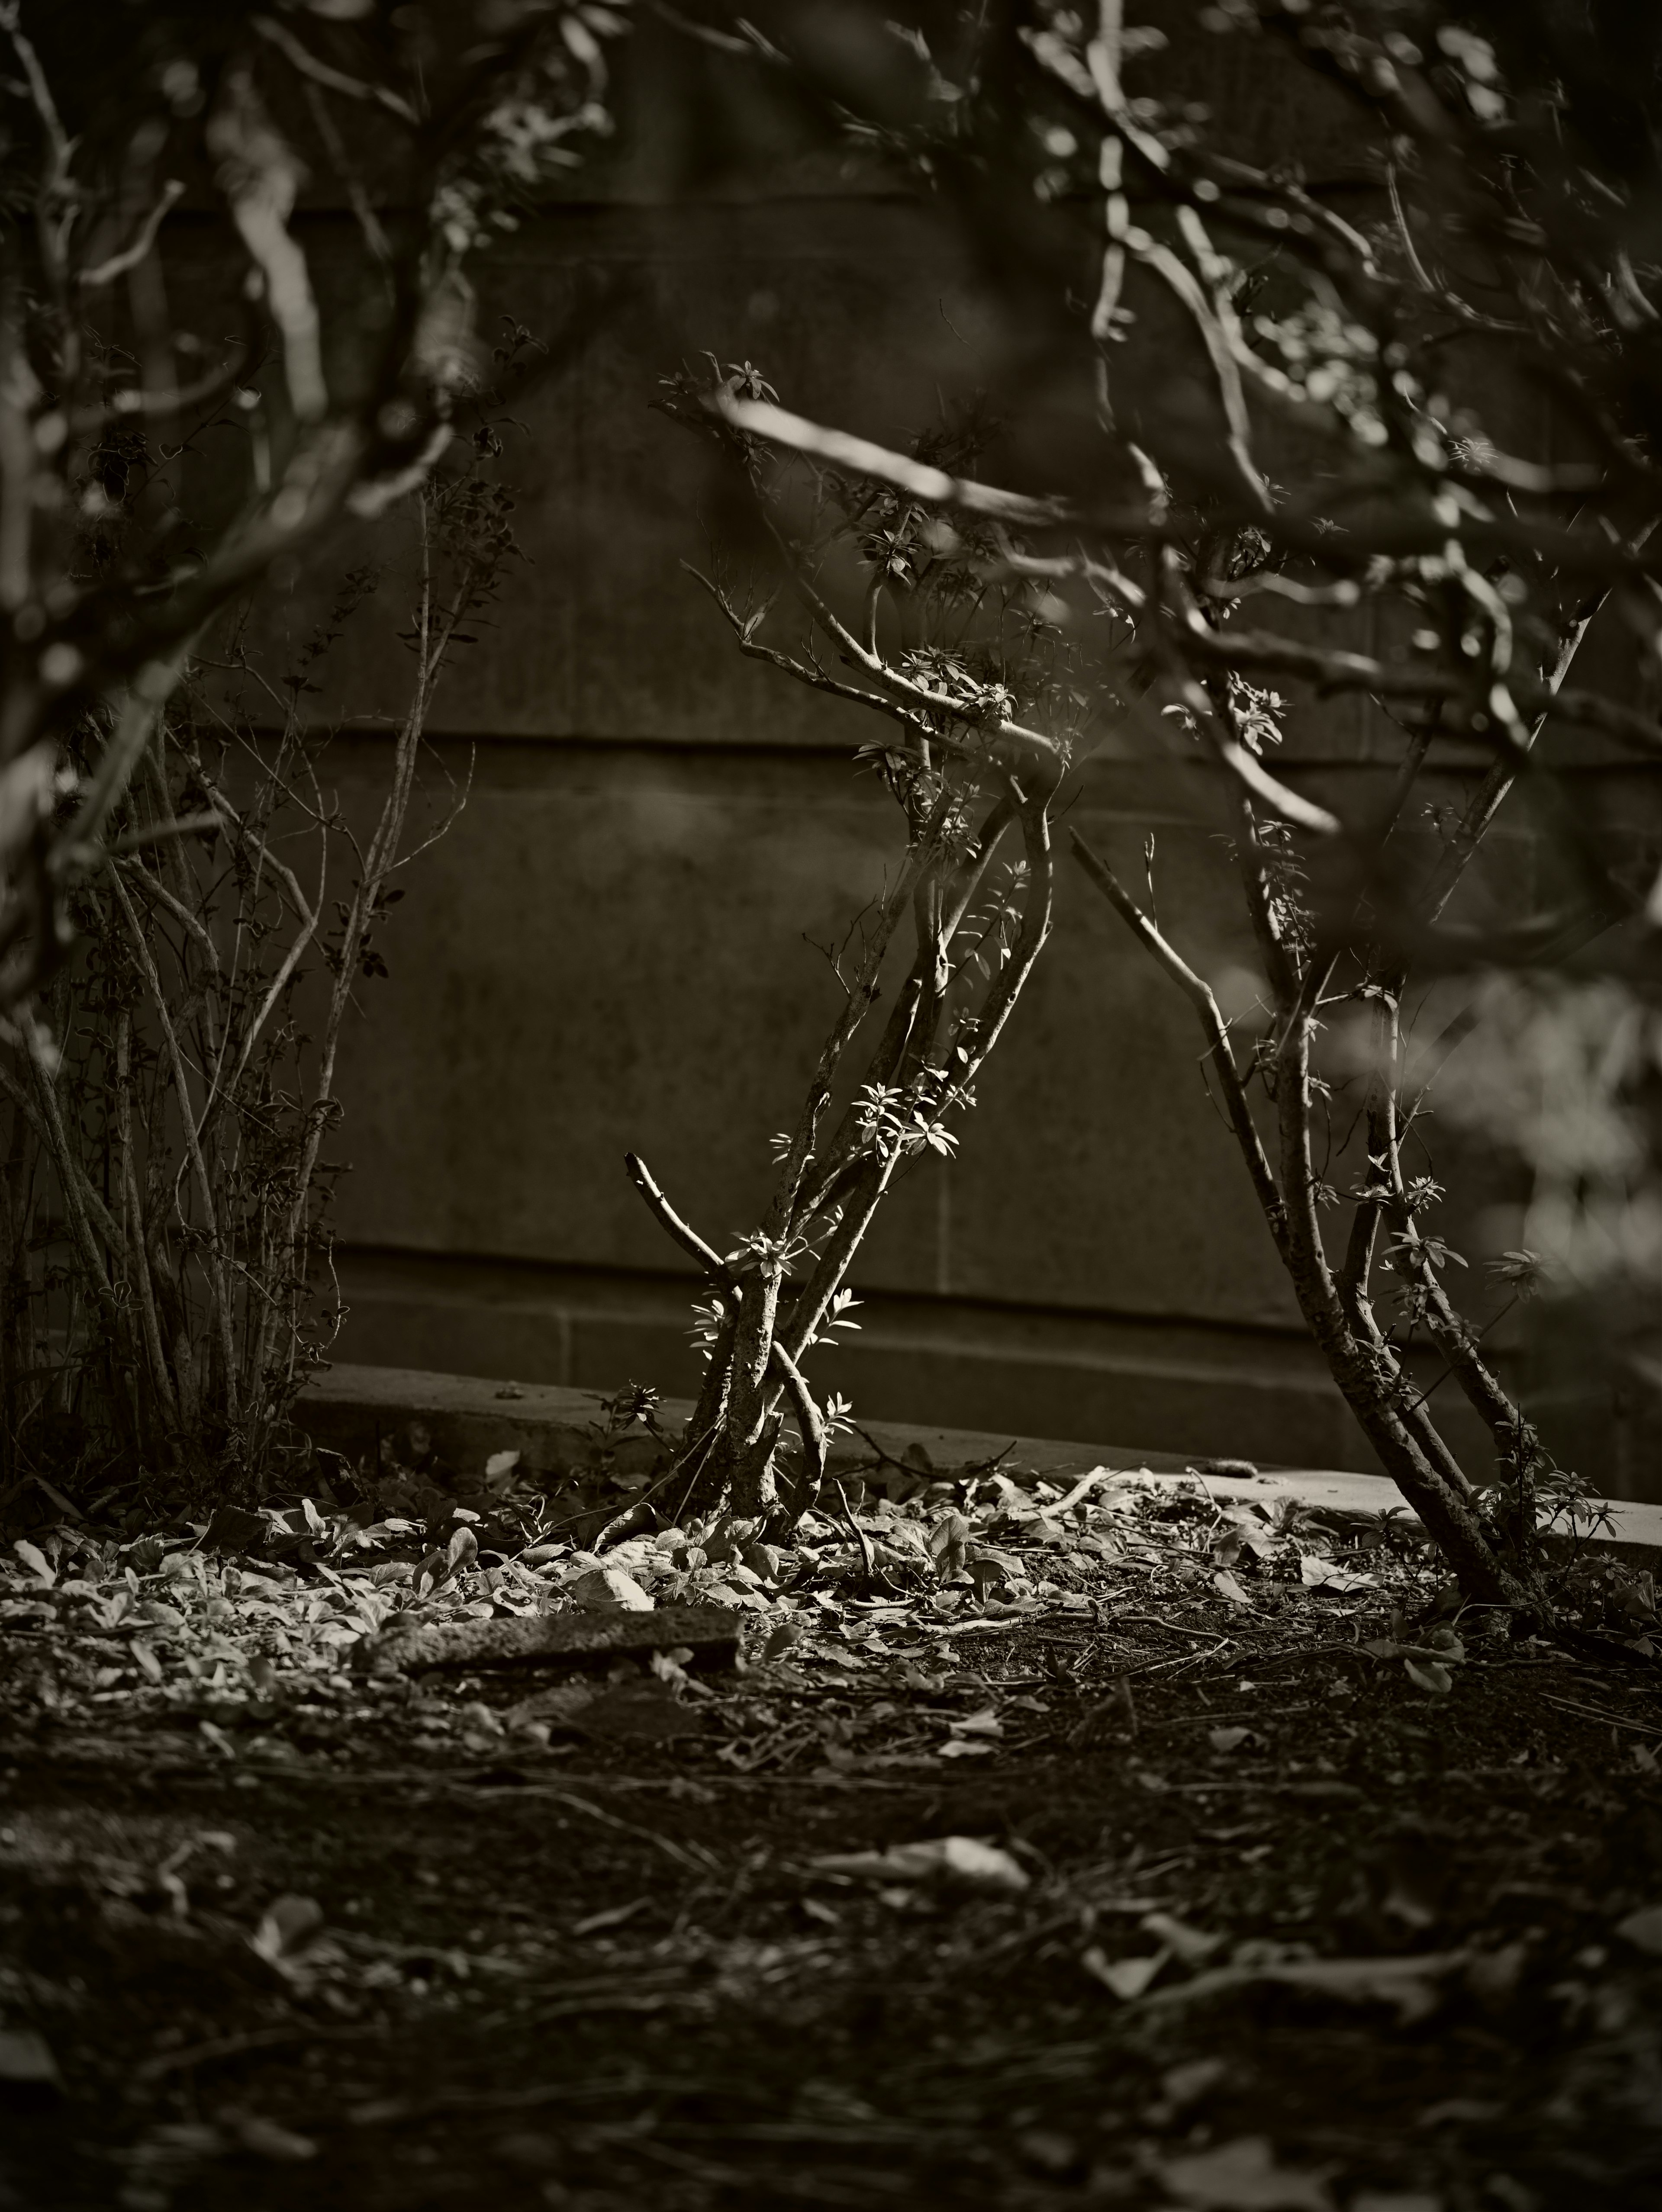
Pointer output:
x,y
607,951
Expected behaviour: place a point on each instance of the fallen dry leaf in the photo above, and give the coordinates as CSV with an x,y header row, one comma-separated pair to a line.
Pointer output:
x,y
1125,1977
26,2058
1191,1945
956,1861
1408,1984
1243,2176
1643,1929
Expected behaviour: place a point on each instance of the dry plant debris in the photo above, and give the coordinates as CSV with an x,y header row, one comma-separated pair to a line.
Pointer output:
x,y
1044,1845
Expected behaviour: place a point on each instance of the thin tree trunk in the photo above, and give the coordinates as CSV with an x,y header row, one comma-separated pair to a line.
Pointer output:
x,y
1370,1387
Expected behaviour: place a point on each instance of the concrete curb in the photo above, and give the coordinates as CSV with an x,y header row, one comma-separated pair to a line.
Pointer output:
x,y
350,1409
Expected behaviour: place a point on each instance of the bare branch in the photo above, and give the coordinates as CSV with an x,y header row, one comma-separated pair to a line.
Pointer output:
x,y
859,457
118,265
671,1222
816,678
1200,995
332,80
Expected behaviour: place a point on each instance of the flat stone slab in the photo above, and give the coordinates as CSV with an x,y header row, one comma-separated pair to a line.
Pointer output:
x,y
350,1408
708,1631
346,1407
1633,1532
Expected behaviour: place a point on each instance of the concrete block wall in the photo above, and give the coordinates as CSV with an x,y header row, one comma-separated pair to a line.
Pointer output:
x,y
606,950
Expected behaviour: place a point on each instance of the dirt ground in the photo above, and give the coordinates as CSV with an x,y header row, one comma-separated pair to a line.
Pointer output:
x,y
613,1977
1259,1919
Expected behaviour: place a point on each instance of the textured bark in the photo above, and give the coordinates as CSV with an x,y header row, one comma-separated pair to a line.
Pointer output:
x,y
730,1452
1367,1373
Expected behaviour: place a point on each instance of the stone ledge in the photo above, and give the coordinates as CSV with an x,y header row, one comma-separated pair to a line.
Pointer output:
x,y
349,1409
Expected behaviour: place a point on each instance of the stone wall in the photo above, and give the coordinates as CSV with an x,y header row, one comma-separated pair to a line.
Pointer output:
x,y
607,950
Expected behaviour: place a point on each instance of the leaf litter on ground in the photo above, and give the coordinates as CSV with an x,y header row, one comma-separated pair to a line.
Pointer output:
x,y
1009,1618
261,1633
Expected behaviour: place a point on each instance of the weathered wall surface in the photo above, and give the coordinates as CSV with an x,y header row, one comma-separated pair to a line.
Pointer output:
x,y
607,952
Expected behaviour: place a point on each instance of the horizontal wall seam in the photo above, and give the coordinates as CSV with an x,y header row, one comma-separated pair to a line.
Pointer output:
x,y
626,744
630,1298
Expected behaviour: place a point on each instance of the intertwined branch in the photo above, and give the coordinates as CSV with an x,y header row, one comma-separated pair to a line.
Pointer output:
x,y
1304,490
168,1283
954,670
301,404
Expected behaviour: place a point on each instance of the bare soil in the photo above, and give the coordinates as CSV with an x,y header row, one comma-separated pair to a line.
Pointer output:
x,y
606,1972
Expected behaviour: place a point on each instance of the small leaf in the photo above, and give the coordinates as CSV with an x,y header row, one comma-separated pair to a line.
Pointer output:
x,y
1318,1573
1245,2176
1126,1977
267,2138
1430,1675
26,2058
1520,1272
958,1861
1191,1945
947,1539
984,1722
35,1560
285,1927
1643,1929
